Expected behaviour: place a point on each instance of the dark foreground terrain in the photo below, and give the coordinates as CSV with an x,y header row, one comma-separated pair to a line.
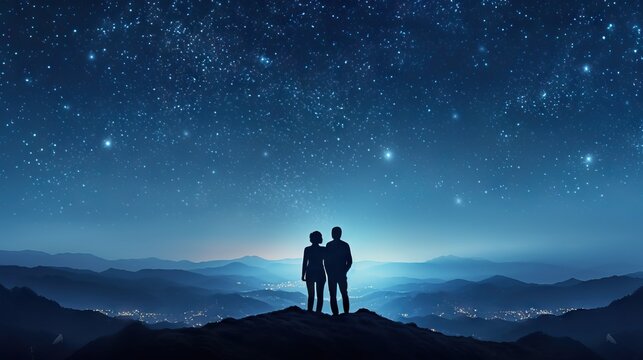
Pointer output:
x,y
622,320
30,324
294,333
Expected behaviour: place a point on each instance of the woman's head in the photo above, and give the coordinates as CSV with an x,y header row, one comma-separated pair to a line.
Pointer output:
x,y
316,237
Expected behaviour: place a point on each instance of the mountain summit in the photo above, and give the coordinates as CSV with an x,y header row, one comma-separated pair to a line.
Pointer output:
x,y
294,333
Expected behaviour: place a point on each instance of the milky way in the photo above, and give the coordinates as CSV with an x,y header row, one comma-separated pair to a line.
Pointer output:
x,y
211,129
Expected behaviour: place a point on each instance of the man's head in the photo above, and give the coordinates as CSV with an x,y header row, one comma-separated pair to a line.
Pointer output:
x,y
337,233
316,237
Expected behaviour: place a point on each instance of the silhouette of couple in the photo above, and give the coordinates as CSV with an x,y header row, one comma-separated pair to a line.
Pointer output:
x,y
335,259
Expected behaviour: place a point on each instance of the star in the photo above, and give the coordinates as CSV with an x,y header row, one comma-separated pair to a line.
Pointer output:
x,y
192,87
264,60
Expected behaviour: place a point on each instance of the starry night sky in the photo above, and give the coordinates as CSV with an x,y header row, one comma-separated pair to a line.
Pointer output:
x,y
199,129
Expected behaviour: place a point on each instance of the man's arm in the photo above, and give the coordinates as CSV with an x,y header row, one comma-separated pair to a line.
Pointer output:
x,y
349,258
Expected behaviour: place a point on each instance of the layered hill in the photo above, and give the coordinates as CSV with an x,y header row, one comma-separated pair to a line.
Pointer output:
x,y
591,325
499,293
30,324
164,291
622,320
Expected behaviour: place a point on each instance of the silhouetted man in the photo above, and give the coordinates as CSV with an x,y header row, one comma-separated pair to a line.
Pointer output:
x,y
337,262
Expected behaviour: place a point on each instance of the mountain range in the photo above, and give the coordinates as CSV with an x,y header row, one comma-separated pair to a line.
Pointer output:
x,y
363,274
601,315
621,319
150,291
194,298
35,327
91,262
500,294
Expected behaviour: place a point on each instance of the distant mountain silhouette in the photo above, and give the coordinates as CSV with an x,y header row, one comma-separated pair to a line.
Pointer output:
x,y
503,281
465,326
501,294
29,321
636,274
39,258
622,319
166,325
176,291
84,261
239,268
363,273
570,282
452,267
294,333
446,286
32,258
216,282
167,291
276,298
378,300
590,326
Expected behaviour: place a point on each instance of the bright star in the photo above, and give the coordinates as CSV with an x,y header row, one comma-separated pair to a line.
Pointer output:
x,y
264,60
586,68
91,56
107,143
588,160
458,200
388,155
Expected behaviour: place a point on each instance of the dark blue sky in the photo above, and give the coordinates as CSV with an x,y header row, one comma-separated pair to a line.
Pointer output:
x,y
198,129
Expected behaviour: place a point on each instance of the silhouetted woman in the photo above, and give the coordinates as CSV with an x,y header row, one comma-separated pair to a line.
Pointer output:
x,y
312,271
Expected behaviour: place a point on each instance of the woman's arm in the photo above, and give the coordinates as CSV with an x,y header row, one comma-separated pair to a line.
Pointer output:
x,y
304,265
